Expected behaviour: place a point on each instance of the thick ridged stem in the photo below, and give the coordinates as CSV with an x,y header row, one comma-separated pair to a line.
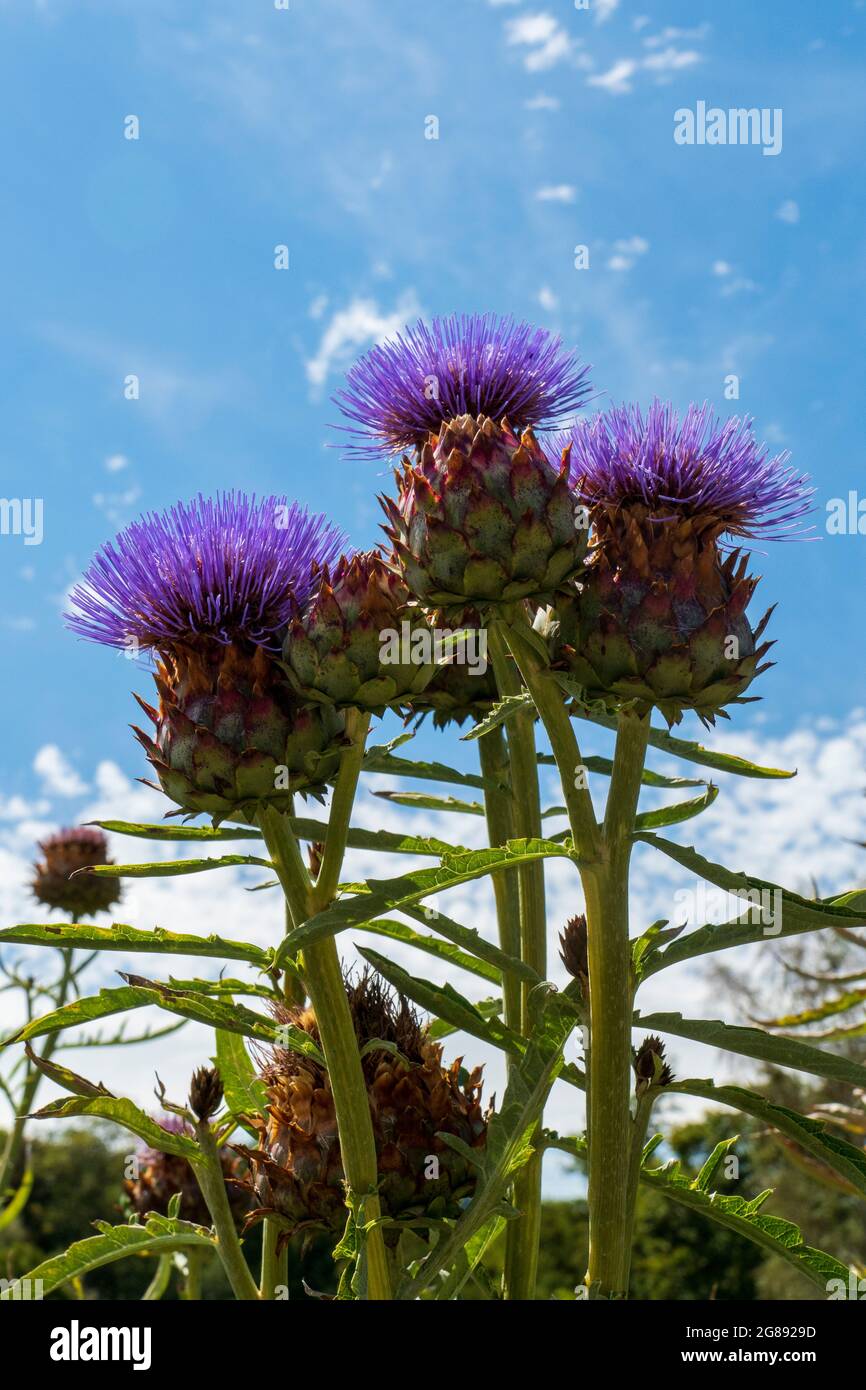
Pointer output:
x,y
209,1176
324,980
523,1236
639,1129
611,1001
274,1264
603,856
15,1142
493,756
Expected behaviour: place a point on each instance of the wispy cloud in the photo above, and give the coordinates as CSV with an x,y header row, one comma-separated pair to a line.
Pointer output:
x,y
556,193
358,325
789,212
547,41
542,102
604,10
626,251
618,78
56,772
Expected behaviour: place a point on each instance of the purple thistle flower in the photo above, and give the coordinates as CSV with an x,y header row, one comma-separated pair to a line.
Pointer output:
x,y
477,364
694,466
224,568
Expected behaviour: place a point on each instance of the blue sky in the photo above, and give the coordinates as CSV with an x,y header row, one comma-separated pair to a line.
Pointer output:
x,y
306,128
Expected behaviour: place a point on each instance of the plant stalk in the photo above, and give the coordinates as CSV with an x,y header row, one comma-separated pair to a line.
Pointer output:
x,y
324,980
611,1001
209,1175
493,756
523,1236
274,1264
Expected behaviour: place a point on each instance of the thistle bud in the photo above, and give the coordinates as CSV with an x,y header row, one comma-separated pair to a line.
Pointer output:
x,y
297,1169
206,1093
58,881
650,1066
573,952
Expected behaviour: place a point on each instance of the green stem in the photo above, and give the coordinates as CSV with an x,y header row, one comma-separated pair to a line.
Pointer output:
x,y
611,1000
558,726
209,1175
639,1128
324,980
523,1237
274,1263
493,755
191,1288
603,856
15,1142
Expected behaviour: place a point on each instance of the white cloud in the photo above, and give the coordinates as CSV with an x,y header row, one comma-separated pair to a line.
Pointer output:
x,y
617,79
632,246
671,34
789,212
671,60
542,102
548,42
604,9
741,284
57,773
556,193
115,463
547,299
625,252
360,324
531,29
721,268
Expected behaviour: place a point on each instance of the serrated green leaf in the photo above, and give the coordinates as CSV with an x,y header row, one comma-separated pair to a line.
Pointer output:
x,y
245,1094
442,950
773,1234
124,1113
674,815
830,1008
377,897
752,1042
158,1235
714,1162
796,916
161,831
502,711
64,1078
604,766
694,752
174,868
381,760
814,1136
439,1028
420,801
148,993
475,944
119,937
